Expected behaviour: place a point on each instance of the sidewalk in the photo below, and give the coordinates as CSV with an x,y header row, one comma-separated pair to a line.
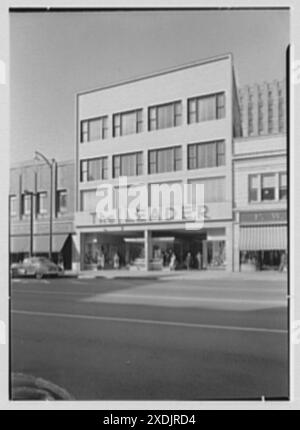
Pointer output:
x,y
178,275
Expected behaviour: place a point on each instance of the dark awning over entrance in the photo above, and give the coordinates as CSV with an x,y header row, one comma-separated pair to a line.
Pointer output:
x,y
21,244
263,238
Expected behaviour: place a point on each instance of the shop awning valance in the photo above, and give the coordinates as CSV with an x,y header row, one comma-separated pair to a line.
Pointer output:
x,y
263,238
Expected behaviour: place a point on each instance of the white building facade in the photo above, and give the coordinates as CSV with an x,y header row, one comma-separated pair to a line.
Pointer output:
x,y
175,127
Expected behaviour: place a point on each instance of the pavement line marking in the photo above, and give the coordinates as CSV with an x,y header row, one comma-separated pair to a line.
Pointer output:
x,y
112,295
153,322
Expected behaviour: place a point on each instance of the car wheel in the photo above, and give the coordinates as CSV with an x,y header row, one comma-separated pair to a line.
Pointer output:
x,y
38,275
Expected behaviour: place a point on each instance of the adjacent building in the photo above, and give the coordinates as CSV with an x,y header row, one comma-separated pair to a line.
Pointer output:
x,y
30,190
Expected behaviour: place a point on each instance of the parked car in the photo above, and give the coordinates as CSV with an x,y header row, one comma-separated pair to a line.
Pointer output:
x,y
36,266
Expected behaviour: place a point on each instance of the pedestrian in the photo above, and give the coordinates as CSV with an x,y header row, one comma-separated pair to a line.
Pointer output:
x,y
116,260
173,261
199,260
188,260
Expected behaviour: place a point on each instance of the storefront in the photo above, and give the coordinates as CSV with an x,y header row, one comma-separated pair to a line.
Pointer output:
x,y
207,249
263,240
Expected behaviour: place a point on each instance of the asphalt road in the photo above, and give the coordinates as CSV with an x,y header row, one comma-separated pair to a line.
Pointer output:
x,y
134,339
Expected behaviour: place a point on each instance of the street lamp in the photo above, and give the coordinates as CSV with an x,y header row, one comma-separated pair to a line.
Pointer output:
x,y
38,156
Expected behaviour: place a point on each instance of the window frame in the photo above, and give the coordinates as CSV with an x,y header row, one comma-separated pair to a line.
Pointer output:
x,y
218,107
117,117
39,209
85,172
103,128
61,209
153,115
155,153
195,146
139,163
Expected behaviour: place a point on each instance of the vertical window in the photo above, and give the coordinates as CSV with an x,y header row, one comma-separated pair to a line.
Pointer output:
x,y
253,188
128,123
282,186
165,116
13,205
61,201
206,108
94,129
26,204
192,157
41,203
221,153
268,187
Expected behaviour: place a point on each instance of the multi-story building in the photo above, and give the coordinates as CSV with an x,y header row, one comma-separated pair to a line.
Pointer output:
x,y
174,127
30,224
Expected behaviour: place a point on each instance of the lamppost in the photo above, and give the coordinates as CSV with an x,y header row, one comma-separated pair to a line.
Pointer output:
x,y
31,194
50,164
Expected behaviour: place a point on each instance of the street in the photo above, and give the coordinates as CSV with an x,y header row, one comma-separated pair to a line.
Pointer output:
x,y
153,339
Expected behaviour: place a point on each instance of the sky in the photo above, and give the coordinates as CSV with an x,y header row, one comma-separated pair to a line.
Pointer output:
x,y
55,55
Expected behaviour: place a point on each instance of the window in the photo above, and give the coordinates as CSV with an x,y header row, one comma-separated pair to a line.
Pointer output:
x,y
93,169
253,188
206,108
206,154
128,123
25,204
164,116
94,129
268,187
128,164
13,205
282,186
41,203
214,189
281,115
88,201
61,201
165,160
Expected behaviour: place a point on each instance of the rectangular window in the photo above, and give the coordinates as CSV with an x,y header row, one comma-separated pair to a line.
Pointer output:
x,y
268,187
206,154
93,170
128,164
94,129
214,190
26,204
61,201
128,123
282,186
88,201
206,108
253,188
164,116
13,205
165,160
41,203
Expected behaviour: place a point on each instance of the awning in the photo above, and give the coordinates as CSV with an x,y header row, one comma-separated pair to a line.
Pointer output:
x,y
41,243
263,238
21,244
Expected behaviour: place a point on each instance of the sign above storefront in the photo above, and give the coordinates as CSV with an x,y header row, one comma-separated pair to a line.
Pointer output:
x,y
263,217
